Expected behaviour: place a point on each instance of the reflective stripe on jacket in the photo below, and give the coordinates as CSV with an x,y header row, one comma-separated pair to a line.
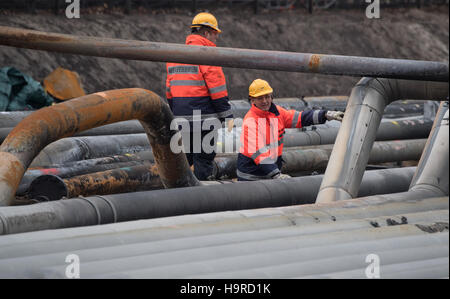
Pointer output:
x,y
197,87
262,139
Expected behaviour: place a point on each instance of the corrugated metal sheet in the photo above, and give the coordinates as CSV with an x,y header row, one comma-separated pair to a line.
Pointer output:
x,y
312,241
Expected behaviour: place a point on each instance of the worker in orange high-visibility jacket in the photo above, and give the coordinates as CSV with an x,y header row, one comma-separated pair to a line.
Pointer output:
x,y
263,130
194,89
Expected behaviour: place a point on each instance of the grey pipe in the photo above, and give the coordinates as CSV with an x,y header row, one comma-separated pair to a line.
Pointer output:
x,y
12,118
298,159
64,119
227,57
170,202
147,248
388,130
89,147
359,127
432,171
71,169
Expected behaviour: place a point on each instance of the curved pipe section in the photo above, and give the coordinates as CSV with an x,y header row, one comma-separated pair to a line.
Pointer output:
x,y
46,125
358,131
227,57
432,171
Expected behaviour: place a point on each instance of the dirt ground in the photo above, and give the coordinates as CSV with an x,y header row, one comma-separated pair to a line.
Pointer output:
x,y
399,33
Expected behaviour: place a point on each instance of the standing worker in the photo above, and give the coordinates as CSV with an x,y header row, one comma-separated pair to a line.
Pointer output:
x,y
194,89
263,130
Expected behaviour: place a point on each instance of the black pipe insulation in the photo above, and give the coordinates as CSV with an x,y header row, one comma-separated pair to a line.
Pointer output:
x,y
179,201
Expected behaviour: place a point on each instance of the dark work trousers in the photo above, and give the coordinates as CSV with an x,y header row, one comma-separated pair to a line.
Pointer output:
x,y
202,161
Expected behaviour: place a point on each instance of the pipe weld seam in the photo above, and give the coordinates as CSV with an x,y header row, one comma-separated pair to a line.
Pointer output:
x,y
99,218
113,209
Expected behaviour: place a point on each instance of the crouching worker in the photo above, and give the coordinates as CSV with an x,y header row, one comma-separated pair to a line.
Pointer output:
x,y
263,129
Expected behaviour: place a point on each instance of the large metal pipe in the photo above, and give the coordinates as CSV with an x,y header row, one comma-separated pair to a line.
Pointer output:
x,y
12,118
227,57
120,128
78,148
394,110
359,128
388,130
141,177
432,171
51,123
170,202
71,169
297,159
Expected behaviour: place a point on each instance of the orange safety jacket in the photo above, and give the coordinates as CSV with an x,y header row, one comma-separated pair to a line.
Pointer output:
x,y
197,87
262,139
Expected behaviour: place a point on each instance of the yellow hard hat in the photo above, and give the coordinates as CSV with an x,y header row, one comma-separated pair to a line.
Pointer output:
x,y
205,19
259,88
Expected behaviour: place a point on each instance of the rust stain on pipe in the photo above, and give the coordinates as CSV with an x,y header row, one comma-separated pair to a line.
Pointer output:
x,y
314,62
49,124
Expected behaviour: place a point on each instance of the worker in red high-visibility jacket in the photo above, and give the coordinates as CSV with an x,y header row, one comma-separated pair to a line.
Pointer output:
x,y
199,89
263,130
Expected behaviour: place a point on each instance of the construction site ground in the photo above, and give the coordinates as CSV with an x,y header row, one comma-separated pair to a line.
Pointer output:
x,y
412,33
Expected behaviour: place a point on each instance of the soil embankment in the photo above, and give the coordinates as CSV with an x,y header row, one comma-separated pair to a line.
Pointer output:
x,y
400,33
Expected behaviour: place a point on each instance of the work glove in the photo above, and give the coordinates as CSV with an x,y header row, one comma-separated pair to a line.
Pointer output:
x,y
334,115
281,176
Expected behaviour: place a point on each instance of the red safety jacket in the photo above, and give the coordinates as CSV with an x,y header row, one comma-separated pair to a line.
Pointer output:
x,y
197,87
262,139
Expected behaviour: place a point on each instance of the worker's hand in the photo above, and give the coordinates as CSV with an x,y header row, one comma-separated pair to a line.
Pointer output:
x,y
281,176
334,115
230,125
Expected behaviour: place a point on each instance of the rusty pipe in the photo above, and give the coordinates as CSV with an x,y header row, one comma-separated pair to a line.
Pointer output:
x,y
227,57
72,169
46,125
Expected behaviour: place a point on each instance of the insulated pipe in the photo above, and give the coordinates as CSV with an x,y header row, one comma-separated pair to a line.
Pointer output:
x,y
12,118
61,120
8,120
396,109
88,147
358,131
133,176
171,202
432,171
226,57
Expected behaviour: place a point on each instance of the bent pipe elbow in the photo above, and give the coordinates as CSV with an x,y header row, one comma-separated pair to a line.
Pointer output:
x,y
358,131
65,119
